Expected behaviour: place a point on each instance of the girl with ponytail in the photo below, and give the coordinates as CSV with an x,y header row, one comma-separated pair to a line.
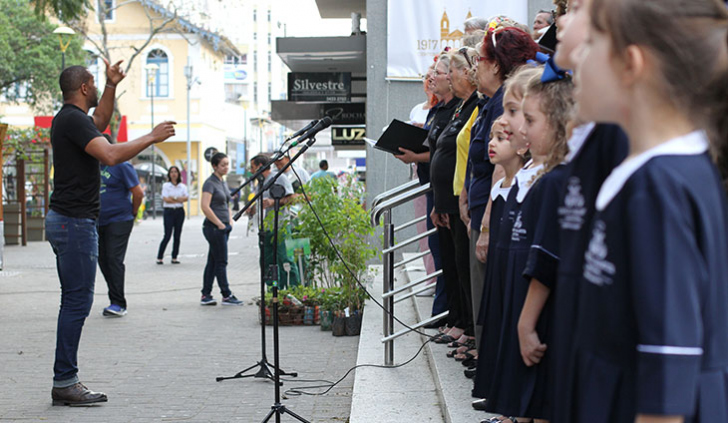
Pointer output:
x,y
652,332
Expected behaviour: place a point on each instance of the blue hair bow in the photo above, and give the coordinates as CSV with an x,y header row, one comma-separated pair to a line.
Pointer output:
x,y
551,72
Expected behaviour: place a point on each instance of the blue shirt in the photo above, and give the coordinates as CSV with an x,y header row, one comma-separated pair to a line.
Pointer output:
x,y
480,169
116,184
321,173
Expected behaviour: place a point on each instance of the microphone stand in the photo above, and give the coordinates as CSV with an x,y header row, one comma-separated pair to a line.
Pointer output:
x,y
276,192
265,369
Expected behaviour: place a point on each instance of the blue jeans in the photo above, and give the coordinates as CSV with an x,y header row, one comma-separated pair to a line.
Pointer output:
x,y
174,218
217,259
76,245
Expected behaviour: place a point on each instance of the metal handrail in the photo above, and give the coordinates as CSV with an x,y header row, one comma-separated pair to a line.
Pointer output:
x,y
382,207
394,191
405,331
411,259
412,284
410,241
398,201
410,223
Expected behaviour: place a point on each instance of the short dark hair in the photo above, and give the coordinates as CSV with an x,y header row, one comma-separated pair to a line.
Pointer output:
x,y
261,160
217,158
72,78
323,164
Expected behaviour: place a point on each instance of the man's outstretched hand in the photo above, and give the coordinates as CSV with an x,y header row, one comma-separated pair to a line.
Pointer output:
x,y
114,74
163,131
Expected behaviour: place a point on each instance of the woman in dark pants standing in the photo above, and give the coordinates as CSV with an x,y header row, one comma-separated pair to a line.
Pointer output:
x,y
174,195
215,204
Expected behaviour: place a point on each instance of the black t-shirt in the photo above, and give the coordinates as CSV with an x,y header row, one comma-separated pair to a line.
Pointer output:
x,y
77,178
444,158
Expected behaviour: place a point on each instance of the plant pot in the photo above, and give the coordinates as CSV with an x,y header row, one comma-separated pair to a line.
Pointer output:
x,y
308,314
338,326
353,324
36,228
326,319
316,315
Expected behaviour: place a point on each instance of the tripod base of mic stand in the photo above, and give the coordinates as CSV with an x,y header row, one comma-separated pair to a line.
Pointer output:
x,y
279,409
265,370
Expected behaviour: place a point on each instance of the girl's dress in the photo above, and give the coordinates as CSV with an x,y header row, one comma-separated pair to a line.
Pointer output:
x,y
652,328
491,308
595,150
512,385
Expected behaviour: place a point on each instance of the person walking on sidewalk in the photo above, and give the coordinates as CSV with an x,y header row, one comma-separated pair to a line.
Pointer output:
x,y
217,226
78,147
116,220
174,195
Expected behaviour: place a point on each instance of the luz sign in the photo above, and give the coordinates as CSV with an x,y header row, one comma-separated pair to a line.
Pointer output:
x,y
347,135
320,87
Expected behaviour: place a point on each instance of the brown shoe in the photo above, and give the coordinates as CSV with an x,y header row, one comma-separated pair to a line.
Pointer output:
x,y
76,394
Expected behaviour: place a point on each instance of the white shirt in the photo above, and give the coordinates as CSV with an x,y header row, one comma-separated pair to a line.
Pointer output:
x,y
305,177
171,190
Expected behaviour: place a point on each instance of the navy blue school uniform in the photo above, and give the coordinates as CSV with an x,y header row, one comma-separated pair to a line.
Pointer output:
x,y
595,150
513,383
491,310
652,334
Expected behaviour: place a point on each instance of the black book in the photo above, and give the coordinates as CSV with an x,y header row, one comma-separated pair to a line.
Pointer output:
x,y
400,134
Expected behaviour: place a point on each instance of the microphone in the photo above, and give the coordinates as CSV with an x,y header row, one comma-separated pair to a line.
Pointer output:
x,y
304,129
322,124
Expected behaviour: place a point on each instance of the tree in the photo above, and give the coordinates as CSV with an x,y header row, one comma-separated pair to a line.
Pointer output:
x,y
30,58
104,48
63,9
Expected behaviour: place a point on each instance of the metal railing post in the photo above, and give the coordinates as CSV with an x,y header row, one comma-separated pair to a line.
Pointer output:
x,y
388,285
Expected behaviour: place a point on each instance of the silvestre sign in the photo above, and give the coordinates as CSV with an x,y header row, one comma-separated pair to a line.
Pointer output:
x,y
320,87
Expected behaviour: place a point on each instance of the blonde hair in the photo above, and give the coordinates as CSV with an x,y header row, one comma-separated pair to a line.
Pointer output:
x,y
556,102
458,60
515,84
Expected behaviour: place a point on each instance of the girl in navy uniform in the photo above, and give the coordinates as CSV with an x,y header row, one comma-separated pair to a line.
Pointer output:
x,y
594,150
499,231
519,387
652,331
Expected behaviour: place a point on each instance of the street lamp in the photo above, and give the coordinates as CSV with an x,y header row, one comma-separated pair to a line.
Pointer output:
x,y
64,39
152,69
190,81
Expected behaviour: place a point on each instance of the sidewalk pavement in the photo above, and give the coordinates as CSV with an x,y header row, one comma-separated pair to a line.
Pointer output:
x,y
159,362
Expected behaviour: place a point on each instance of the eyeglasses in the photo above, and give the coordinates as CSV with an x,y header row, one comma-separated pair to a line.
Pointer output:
x,y
477,59
464,52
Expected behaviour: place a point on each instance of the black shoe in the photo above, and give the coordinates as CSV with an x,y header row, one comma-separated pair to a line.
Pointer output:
x,y
479,404
436,324
470,373
76,394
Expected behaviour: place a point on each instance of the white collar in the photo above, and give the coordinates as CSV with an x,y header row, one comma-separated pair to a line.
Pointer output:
x,y
691,144
524,179
499,191
578,138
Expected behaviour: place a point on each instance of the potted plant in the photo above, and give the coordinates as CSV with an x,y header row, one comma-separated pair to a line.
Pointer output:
x,y
340,209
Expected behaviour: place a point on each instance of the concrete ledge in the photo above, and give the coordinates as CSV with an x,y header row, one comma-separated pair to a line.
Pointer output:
x,y
453,387
402,394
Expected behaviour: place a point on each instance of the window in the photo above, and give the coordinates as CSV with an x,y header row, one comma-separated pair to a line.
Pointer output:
x,y
255,15
269,62
255,36
106,6
268,15
255,60
161,79
270,90
255,92
269,38
235,93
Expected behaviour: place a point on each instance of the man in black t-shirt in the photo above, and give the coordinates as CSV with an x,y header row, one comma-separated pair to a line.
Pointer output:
x,y
78,147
